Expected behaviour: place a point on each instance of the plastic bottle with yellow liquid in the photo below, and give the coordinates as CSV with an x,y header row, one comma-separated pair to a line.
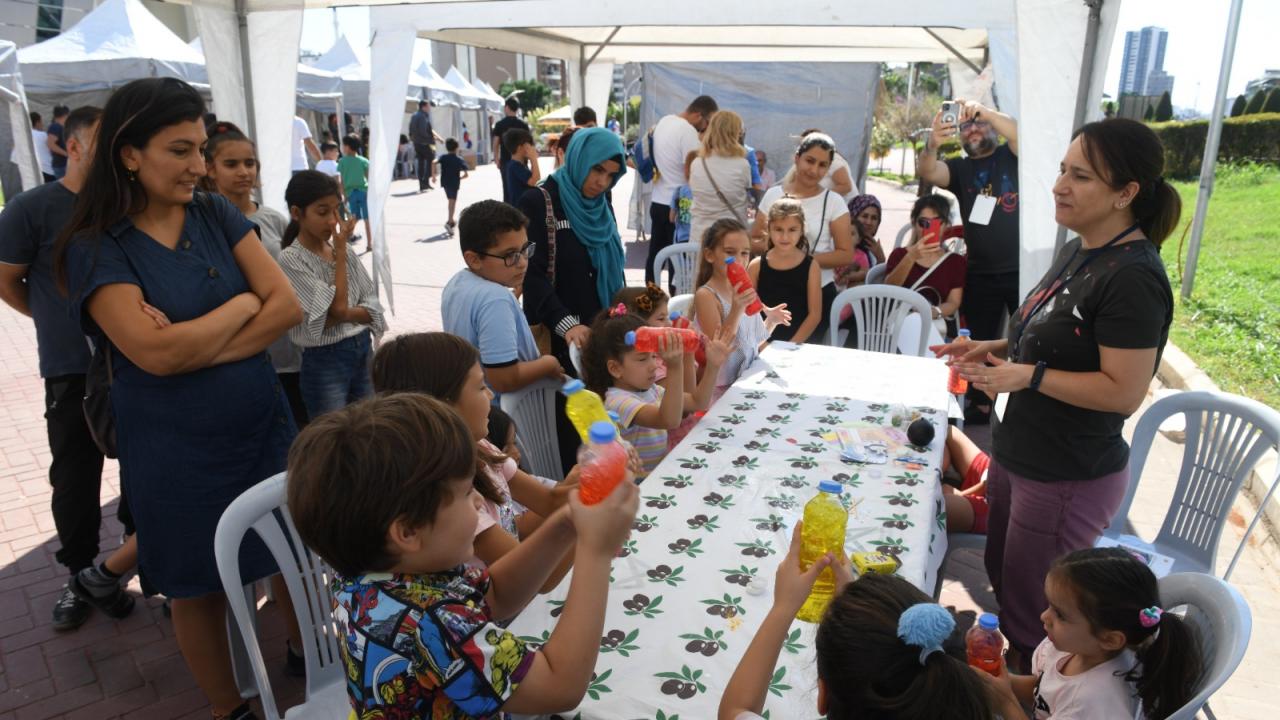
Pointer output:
x,y
583,408
824,525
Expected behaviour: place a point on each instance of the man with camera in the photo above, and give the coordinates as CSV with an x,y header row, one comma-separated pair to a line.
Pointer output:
x,y
985,182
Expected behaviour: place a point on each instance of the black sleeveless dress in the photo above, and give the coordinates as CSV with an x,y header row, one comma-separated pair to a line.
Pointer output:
x,y
786,286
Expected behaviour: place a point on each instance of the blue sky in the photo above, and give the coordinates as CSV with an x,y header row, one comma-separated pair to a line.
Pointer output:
x,y
1196,33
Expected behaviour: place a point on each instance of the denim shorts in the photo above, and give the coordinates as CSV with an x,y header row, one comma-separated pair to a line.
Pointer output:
x,y
336,375
358,204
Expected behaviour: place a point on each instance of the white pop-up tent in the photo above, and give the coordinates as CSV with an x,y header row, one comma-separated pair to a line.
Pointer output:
x,y
493,101
318,90
119,41
1048,58
21,170
350,61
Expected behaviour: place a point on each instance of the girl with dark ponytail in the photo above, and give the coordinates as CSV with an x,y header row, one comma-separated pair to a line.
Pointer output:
x,y
885,650
1078,360
1112,650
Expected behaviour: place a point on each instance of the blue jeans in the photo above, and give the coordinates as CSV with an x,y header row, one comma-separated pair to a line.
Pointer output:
x,y
336,375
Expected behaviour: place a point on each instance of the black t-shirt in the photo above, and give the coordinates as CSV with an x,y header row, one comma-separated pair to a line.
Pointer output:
x,y
992,248
451,167
500,128
55,131
1121,300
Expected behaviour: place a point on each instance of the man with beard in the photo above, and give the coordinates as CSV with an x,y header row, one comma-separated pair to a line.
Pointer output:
x,y
985,182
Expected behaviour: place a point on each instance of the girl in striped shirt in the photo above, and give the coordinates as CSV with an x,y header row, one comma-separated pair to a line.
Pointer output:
x,y
341,312
628,381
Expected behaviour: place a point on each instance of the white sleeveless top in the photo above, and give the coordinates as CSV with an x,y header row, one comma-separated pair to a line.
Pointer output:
x,y
751,332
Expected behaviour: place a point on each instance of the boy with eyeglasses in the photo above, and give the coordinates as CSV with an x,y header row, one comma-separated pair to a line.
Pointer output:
x,y
479,305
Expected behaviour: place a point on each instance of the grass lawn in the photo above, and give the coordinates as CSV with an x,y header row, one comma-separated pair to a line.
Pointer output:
x,y
889,175
1231,324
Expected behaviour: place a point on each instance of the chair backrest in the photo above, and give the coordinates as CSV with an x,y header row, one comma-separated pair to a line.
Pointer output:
x,y
534,411
262,508
1222,623
875,276
1226,436
901,239
878,312
684,265
682,304
575,357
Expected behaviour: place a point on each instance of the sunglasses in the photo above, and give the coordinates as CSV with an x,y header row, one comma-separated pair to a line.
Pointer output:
x,y
512,258
924,222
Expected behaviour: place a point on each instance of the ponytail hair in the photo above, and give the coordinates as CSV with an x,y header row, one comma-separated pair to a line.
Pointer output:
x,y
305,188
870,672
1115,591
1124,151
606,342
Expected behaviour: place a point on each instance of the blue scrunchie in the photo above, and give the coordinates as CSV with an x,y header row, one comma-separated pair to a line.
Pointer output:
x,y
926,626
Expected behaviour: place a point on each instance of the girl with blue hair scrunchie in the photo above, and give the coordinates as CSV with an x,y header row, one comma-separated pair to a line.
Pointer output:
x,y
884,650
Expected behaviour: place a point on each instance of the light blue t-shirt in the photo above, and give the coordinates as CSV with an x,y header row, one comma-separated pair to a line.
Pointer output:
x,y
487,315
682,203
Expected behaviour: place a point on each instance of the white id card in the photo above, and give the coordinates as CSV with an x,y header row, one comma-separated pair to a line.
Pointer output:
x,y
983,206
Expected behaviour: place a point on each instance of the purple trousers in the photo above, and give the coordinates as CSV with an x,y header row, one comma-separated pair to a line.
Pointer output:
x,y
1030,525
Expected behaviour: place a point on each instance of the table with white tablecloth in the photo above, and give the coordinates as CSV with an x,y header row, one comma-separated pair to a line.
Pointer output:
x,y
695,579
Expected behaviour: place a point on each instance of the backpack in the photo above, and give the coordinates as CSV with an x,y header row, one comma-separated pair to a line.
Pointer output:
x,y
642,157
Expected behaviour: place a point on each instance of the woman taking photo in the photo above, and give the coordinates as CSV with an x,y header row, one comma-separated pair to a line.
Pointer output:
x,y
1080,355
720,176
927,266
577,266
177,287
826,218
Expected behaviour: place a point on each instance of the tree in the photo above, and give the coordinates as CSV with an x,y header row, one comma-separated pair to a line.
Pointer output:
x,y
533,94
1272,105
1149,114
1255,103
1164,110
1237,107
881,142
1109,109
903,119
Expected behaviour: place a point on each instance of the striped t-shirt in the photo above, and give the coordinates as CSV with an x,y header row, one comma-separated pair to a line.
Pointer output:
x,y
313,280
650,443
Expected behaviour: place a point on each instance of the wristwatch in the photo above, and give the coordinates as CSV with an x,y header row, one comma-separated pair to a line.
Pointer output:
x,y
1037,376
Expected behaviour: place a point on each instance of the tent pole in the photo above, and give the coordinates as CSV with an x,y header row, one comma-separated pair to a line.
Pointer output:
x,y
1086,80
603,45
1210,161
976,70
242,23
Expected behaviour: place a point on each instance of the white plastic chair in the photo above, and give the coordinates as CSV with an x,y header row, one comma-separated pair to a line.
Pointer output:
x,y
901,239
575,357
682,304
878,313
875,276
684,265
1222,623
262,509
1226,436
534,410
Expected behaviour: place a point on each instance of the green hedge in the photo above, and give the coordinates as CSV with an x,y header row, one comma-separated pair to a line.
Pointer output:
x,y
1248,138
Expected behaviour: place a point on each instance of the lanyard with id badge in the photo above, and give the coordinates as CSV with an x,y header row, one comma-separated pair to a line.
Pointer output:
x,y
983,204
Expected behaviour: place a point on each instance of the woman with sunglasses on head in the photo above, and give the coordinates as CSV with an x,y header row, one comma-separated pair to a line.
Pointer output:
x,y
176,287
926,265
1077,362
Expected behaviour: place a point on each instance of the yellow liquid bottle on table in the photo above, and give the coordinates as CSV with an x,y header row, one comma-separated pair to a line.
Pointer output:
x,y
824,525
583,408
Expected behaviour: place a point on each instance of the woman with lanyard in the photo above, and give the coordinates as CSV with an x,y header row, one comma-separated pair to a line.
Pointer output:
x,y
577,260
1080,356
826,219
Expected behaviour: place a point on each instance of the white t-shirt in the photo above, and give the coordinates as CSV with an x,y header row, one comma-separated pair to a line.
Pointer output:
x,y
328,167
733,176
1095,693
43,155
673,139
300,133
817,222
839,164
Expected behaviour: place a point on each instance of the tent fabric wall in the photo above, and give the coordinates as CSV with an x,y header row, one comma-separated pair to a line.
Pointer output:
x,y
391,58
220,45
273,43
21,170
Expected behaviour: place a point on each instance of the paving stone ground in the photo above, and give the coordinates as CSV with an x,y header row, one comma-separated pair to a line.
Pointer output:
x,y
132,669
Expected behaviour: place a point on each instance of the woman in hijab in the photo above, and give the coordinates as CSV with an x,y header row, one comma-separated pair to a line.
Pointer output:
x,y
577,266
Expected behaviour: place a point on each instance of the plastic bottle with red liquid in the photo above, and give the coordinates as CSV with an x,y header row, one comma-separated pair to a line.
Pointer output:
x,y
646,339
740,280
984,644
682,322
957,385
602,463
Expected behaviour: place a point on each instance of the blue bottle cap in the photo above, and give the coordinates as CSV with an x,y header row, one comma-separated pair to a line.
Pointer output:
x,y
965,332
572,387
989,621
630,338
831,486
602,432
729,260
675,316
612,416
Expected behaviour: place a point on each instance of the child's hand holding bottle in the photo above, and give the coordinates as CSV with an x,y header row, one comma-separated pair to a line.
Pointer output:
x,y
604,526
671,350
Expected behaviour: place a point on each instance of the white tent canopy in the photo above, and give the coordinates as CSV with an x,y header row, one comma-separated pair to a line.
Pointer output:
x,y
317,89
493,101
21,169
470,97
119,41
439,91
564,114
1038,49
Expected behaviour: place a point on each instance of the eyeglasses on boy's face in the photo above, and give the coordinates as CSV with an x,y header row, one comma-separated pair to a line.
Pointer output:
x,y
512,258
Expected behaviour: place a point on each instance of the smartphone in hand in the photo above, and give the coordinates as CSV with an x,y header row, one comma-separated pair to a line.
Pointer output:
x,y
950,113
931,230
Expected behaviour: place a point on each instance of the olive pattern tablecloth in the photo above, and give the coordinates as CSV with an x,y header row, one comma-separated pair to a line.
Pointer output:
x,y
692,584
